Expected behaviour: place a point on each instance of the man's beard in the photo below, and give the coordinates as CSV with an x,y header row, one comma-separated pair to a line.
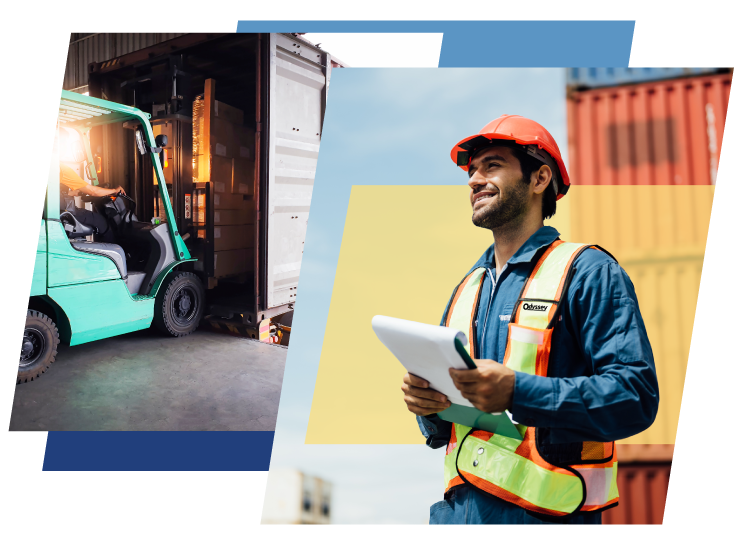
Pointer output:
x,y
510,206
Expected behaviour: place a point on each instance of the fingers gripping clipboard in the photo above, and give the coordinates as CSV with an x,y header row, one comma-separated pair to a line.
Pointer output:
x,y
429,351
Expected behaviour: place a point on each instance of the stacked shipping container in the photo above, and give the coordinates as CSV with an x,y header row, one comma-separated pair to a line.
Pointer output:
x,y
662,133
652,133
643,479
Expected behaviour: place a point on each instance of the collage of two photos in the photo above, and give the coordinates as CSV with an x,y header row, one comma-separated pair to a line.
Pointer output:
x,y
174,241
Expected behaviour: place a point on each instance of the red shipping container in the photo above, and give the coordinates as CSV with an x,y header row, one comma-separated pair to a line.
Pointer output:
x,y
642,489
643,482
654,133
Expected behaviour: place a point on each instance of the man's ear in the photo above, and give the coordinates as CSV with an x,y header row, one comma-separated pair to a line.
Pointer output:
x,y
541,179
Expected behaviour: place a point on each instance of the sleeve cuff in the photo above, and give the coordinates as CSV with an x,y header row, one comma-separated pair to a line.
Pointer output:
x,y
430,424
436,431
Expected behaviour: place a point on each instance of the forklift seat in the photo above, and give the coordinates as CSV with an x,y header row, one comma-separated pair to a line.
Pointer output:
x,y
111,251
76,231
73,227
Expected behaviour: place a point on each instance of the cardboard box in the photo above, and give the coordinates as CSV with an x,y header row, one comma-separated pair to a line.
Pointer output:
x,y
227,112
232,237
199,204
222,140
232,262
243,213
232,217
243,176
245,142
230,201
221,174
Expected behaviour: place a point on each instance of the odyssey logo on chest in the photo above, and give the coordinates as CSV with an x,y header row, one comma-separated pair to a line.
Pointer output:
x,y
539,307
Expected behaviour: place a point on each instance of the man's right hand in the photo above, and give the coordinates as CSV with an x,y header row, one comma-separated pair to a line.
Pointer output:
x,y
420,399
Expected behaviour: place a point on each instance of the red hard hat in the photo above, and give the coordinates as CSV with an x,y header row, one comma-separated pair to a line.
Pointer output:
x,y
536,141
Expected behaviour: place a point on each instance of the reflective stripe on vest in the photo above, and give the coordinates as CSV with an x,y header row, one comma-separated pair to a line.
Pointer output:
x,y
463,310
514,470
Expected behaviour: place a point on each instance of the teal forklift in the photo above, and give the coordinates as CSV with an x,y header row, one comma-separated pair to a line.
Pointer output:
x,y
84,289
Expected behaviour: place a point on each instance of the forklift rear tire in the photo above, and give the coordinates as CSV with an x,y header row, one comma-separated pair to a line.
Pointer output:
x,y
40,343
179,305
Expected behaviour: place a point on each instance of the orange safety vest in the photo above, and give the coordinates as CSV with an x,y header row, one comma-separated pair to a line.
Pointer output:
x,y
515,470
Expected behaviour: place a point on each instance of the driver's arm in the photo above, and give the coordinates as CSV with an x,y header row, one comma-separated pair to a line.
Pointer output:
x,y
74,182
96,191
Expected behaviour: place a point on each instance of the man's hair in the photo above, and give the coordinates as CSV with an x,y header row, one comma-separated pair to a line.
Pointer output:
x,y
529,165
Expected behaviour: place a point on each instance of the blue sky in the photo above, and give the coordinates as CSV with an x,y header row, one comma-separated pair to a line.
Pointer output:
x,y
385,127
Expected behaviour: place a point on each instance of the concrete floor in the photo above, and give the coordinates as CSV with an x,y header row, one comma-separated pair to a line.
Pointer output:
x,y
145,382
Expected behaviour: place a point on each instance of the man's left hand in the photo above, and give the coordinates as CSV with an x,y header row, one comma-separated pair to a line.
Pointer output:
x,y
489,387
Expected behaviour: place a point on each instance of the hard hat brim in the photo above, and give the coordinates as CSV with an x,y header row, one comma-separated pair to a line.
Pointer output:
x,y
463,151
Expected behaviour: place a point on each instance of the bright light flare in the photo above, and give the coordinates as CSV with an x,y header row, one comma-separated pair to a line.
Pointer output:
x,y
63,145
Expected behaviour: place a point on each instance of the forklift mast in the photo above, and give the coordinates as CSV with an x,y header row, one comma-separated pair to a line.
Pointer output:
x,y
162,87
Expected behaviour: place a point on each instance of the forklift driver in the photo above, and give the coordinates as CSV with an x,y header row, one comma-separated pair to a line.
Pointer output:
x,y
71,185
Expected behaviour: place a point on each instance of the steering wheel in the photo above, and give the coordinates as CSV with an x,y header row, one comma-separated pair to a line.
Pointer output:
x,y
124,196
118,211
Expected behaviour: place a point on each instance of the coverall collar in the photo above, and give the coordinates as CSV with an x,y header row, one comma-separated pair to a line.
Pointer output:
x,y
541,238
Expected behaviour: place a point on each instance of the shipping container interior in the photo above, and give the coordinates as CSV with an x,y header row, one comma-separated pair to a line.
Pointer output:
x,y
187,83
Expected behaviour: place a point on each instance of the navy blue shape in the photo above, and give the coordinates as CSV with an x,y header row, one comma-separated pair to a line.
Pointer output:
x,y
158,451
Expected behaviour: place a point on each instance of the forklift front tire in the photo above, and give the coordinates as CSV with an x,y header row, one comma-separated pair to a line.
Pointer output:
x,y
179,305
40,343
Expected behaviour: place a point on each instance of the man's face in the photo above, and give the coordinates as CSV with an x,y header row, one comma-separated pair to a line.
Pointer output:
x,y
498,193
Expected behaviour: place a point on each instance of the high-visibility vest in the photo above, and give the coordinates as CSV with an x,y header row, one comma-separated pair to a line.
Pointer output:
x,y
584,478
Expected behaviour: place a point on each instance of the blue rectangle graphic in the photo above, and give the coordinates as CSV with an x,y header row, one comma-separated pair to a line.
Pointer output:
x,y
158,451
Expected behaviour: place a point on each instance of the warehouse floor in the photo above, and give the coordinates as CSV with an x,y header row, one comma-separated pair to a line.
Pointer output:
x,y
145,382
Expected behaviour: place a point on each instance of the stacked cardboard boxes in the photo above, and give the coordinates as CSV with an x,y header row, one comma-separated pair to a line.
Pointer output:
x,y
223,155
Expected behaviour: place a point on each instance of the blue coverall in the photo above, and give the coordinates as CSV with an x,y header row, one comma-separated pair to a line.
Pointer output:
x,y
602,381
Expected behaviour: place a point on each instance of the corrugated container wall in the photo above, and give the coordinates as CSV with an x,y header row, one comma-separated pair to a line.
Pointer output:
x,y
658,234
643,482
660,141
655,133
608,76
642,489
87,48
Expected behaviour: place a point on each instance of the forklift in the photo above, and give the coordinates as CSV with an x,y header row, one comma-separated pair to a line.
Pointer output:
x,y
84,289
243,282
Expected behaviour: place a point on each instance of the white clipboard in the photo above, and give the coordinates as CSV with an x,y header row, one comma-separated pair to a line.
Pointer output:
x,y
429,351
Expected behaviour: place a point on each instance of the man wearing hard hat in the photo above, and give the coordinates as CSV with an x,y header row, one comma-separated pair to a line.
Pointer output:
x,y
577,371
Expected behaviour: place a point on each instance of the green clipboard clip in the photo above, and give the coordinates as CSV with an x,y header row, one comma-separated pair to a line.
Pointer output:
x,y
475,418
463,354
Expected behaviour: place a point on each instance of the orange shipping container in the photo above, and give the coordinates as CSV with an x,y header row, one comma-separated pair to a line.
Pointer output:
x,y
653,133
